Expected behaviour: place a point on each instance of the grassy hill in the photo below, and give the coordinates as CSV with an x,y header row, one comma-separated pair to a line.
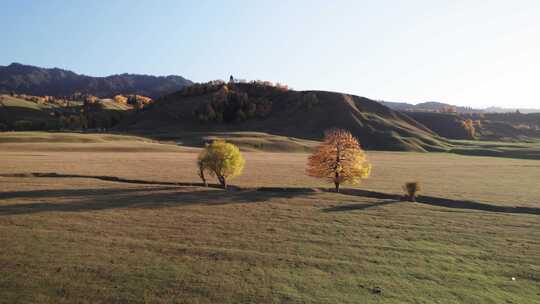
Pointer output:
x,y
448,125
258,107
430,106
22,112
262,116
17,113
491,127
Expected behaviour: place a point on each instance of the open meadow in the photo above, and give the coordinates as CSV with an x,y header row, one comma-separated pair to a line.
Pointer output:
x,y
109,218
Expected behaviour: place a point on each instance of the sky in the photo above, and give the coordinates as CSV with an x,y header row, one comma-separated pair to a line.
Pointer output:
x,y
473,53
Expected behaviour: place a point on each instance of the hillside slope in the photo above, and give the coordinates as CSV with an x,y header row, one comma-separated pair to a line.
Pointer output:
x,y
21,112
491,126
299,114
26,79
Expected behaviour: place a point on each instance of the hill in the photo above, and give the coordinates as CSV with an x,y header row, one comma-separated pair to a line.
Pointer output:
x,y
429,106
511,110
24,112
433,106
26,79
260,107
513,127
448,125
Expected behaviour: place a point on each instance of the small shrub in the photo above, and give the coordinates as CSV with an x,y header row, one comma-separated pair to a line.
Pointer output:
x,y
411,190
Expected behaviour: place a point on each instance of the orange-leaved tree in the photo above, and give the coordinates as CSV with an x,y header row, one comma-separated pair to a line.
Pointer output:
x,y
339,159
120,99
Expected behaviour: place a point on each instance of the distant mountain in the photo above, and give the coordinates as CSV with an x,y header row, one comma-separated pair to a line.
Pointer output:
x,y
433,106
26,79
429,106
511,110
399,106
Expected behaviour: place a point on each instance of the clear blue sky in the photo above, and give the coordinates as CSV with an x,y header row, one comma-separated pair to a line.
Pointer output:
x,y
476,53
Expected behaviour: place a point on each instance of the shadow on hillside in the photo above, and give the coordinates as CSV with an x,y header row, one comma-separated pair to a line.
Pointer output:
x,y
150,198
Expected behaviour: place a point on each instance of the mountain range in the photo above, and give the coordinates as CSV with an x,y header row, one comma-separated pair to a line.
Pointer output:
x,y
434,106
32,80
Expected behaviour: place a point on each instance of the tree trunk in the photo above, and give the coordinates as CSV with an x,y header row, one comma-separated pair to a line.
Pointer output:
x,y
222,181
336,181
203,177
336,184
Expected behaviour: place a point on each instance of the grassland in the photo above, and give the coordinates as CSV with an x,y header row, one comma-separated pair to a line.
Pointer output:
x,y
247,141
9,101
529,149
86,240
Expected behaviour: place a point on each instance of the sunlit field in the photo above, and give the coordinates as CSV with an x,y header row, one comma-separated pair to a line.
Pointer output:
x,y
474,236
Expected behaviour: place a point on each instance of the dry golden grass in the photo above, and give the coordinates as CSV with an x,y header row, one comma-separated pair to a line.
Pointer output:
x,y
486,179
80,240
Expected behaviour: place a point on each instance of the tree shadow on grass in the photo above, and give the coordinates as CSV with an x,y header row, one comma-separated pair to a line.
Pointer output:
x,y
459,204
445,202
103,178
107,198
51,193
82,200
360,206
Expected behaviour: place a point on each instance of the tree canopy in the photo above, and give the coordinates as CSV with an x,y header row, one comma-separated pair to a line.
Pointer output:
x,y
339,159
220,159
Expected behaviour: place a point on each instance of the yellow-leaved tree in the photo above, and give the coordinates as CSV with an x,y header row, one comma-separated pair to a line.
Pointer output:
x,y
339,159
220,159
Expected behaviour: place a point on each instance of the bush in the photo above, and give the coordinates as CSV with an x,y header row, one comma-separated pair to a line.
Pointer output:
x,y
411,190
